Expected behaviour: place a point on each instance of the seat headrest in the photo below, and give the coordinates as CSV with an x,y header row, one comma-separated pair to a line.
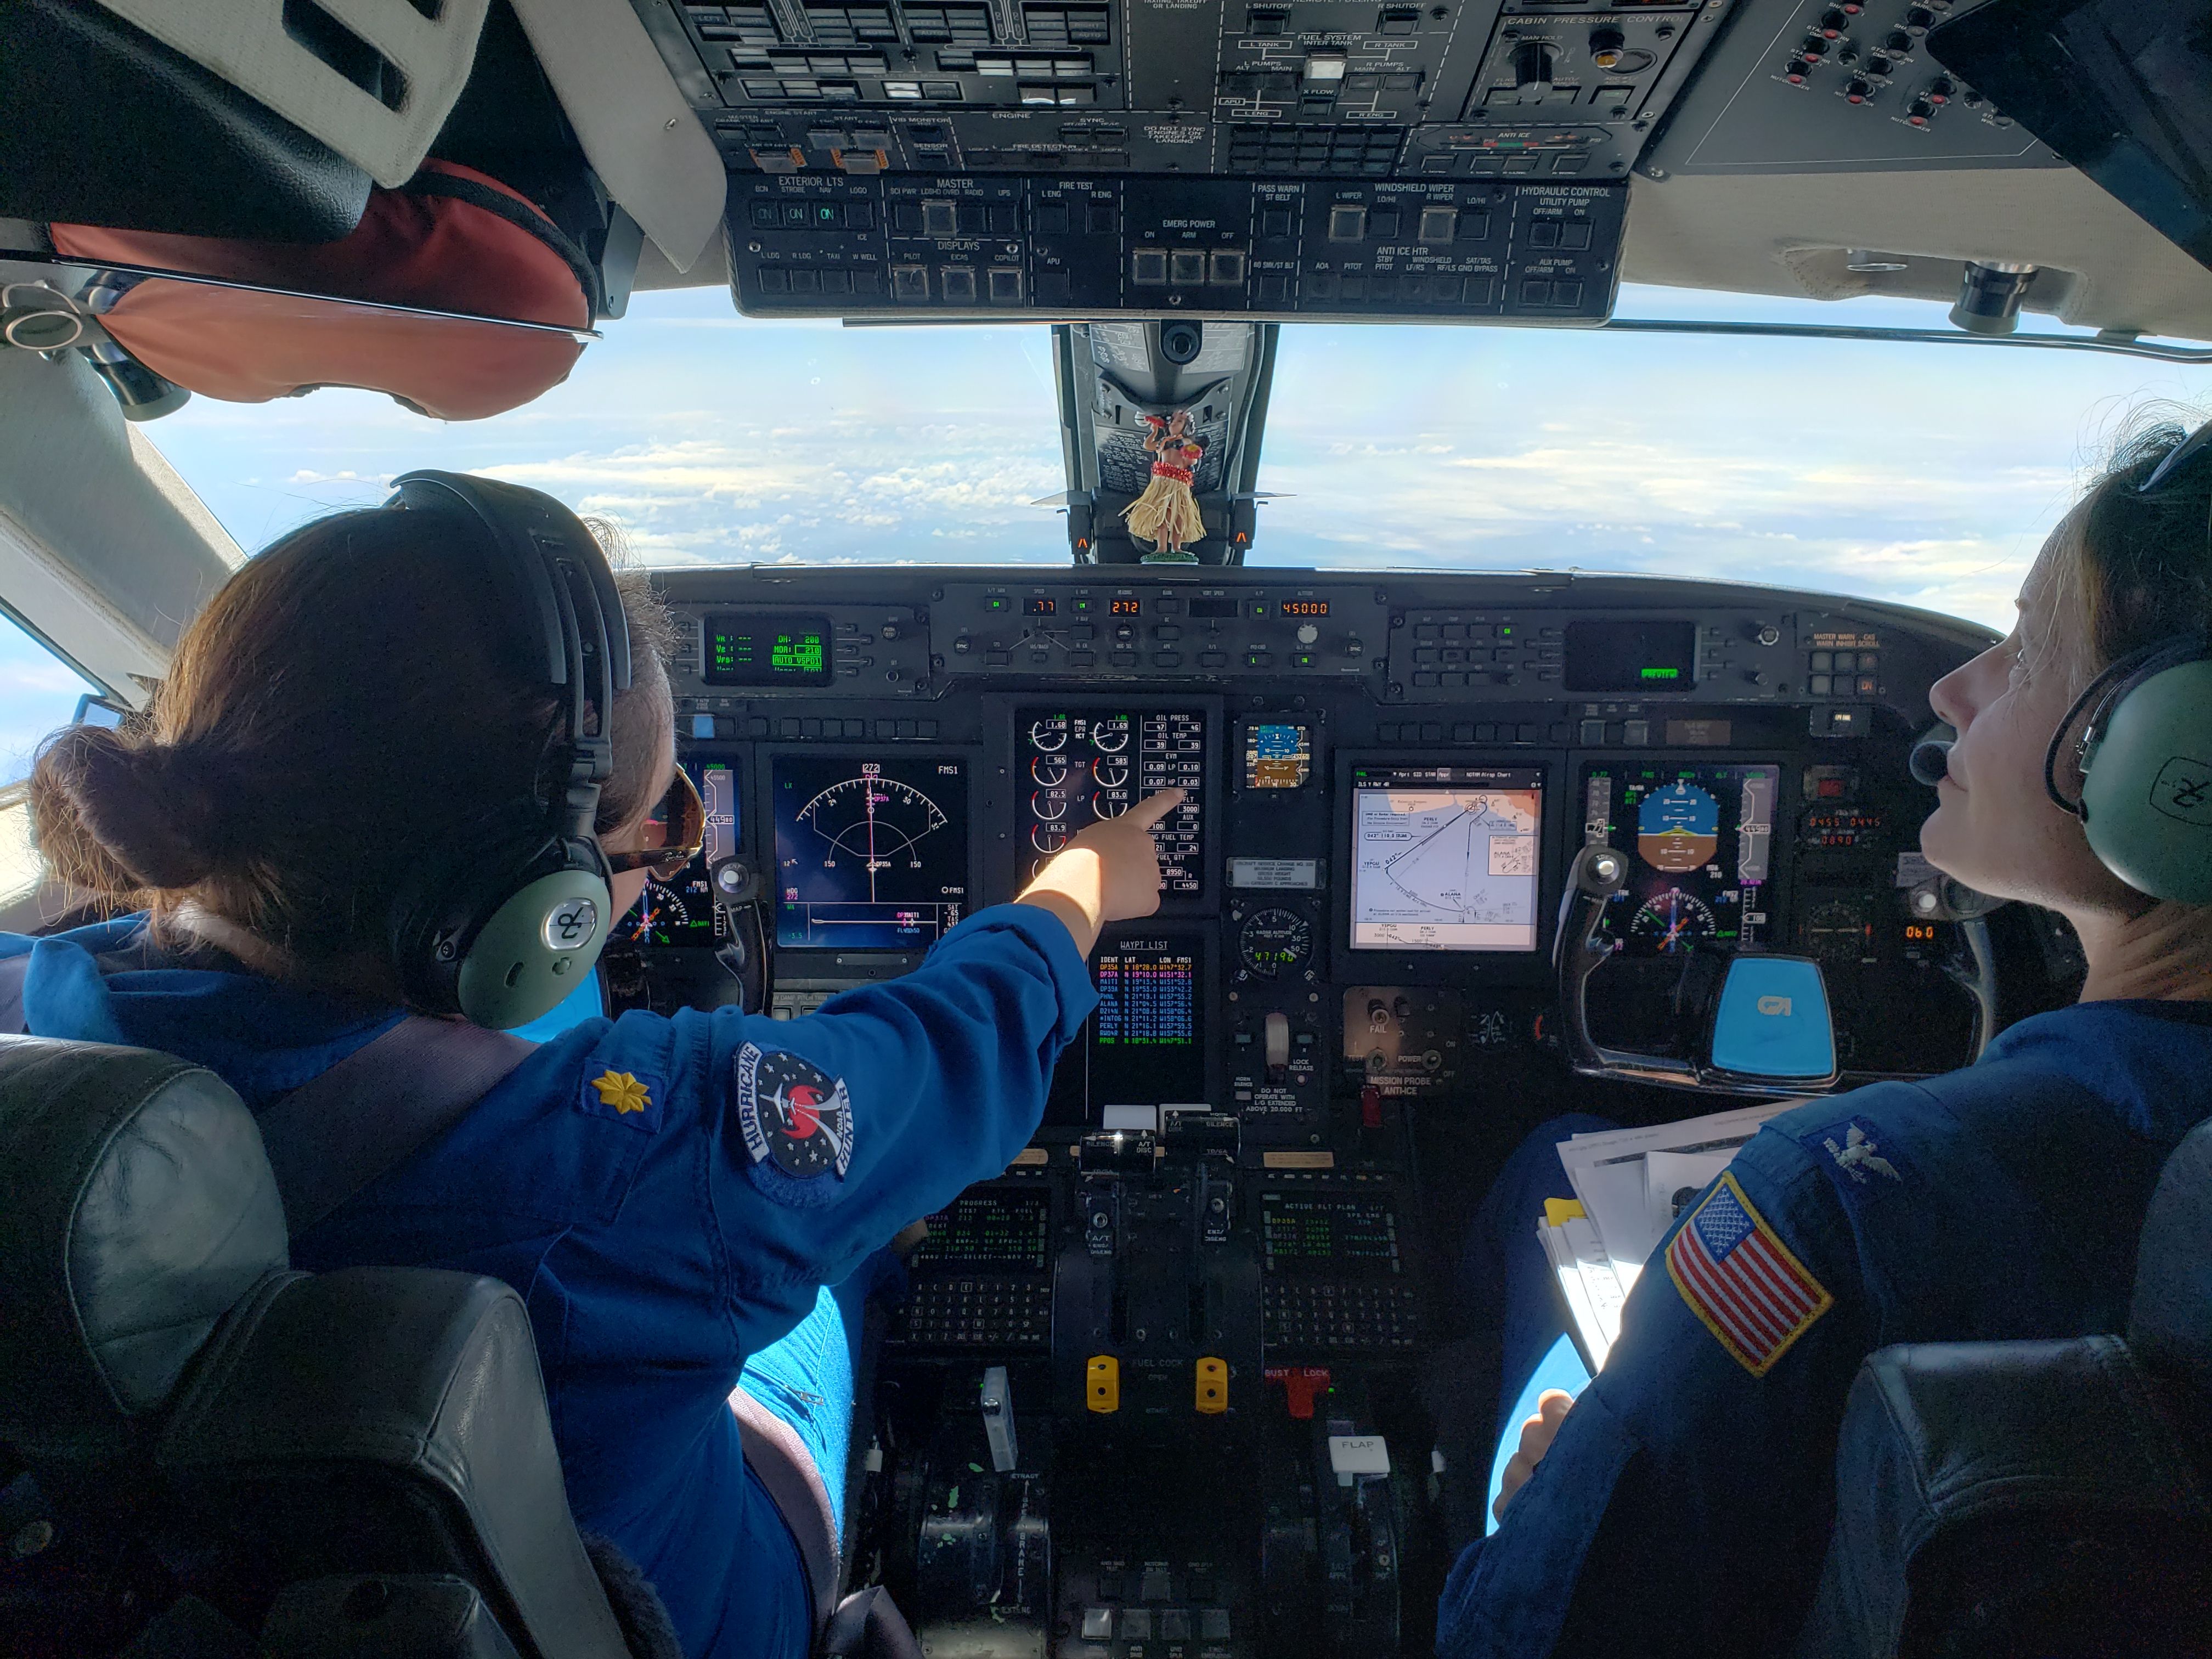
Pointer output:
x,y
2170,1323
139,1207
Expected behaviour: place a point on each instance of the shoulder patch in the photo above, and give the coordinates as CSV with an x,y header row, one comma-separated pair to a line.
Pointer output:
x,y
1859,1161
797,1121
630,1097
1741,1280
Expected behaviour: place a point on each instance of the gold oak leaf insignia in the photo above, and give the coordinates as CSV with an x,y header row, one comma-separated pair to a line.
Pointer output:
x,y
623,1092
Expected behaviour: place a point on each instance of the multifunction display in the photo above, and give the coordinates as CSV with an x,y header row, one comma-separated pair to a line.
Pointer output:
x,y
870,854
1701,840
744,650
1445,858
1299,1230
1143,1045
1082,767
1001,1228
683,912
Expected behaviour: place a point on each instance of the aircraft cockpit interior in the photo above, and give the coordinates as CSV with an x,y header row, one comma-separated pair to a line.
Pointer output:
x,y
1463,846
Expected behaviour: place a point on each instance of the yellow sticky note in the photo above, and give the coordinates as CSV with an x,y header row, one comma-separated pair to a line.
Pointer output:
x,y
1557,1211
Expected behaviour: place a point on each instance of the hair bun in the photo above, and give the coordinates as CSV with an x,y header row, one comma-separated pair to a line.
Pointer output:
x,y
152,807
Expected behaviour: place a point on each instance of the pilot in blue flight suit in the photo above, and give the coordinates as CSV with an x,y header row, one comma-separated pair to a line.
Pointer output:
x,y
1680,1502
670,1196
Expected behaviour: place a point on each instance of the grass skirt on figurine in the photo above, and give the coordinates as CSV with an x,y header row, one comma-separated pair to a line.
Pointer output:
x,y
1166,514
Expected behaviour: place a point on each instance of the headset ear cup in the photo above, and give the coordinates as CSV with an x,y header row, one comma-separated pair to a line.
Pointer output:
x,y
462,932
536,948
2147,785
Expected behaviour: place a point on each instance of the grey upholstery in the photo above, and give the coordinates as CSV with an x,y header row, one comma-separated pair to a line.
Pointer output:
x,y
139,1208
156,1351
2053,1497
105,125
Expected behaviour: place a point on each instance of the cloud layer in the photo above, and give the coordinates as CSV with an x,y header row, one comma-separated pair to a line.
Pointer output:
x,y
1917,474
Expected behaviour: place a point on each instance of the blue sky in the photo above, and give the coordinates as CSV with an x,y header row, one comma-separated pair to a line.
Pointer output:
x,y
1924,475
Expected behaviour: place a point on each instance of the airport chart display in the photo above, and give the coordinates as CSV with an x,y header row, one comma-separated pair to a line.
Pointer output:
x,y
1445,858
870,854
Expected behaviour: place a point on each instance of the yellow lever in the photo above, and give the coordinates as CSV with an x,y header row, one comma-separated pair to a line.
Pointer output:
x,y
1213,1387
1102,1389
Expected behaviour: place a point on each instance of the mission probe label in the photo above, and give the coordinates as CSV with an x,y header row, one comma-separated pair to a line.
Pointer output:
x,y
797,1121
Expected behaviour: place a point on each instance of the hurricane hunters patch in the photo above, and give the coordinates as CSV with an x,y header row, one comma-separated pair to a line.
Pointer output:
x,y
1740,1279
1860,1162
630,1097
797,1121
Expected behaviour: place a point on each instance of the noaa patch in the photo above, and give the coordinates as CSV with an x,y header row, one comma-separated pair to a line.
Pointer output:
x,y
1857,1159
631,1098
797,1121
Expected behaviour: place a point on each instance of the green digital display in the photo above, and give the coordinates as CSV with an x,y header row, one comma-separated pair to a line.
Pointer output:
x,y
783,650
1649,674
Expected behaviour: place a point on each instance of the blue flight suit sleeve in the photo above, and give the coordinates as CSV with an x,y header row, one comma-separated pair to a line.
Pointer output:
x,y
1685,1503
816,1139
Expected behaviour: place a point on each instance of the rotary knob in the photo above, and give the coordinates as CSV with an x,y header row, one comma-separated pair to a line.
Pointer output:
x,y
1308,633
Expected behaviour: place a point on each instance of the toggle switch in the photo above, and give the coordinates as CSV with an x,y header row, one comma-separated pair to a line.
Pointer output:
x,y
1102,1384
1213,1387
1279,1047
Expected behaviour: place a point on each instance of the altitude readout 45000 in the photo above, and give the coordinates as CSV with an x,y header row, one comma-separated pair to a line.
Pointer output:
x,y
1083,767
870,855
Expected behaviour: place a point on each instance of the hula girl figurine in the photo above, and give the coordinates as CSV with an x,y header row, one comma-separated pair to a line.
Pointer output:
x,y
1167,514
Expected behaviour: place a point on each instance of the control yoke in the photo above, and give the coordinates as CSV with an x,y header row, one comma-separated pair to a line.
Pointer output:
x,y
1763,1022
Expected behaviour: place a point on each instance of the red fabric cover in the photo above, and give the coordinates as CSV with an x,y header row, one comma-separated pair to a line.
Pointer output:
x,y
407,250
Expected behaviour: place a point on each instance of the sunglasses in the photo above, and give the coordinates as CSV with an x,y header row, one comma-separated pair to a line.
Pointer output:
x,y
674,832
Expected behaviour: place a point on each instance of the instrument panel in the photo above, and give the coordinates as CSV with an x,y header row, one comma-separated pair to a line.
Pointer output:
x,y
1221,1262
1384,779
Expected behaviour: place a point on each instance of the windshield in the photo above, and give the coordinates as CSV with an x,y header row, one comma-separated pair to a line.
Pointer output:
x,y
1926,474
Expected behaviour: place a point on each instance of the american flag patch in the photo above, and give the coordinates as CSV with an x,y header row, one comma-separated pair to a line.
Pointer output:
x,y
1741,1280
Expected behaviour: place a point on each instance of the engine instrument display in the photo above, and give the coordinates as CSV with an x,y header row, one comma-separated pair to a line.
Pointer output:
x,y
1278,755
767,650
1080,767
683,912
1445,858
870,855
1702,837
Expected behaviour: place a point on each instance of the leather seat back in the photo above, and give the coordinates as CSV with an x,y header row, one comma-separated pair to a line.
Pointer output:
x,y
162,1368
2049,1498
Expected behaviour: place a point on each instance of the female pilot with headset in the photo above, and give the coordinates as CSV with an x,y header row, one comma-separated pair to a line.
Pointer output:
x,y
421,759
1680,1504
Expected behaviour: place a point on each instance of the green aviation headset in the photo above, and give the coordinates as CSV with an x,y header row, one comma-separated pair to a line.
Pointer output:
x,y
2145,749
513,917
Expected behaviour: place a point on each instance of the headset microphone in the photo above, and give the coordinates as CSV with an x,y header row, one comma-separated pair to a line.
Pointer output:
x,y
1930,762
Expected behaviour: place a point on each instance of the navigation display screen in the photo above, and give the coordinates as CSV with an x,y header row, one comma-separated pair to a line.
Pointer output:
x,y
767,650
1143,1045
1445,858
1699,837
683,912
1300,1230
870,855
1083,766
